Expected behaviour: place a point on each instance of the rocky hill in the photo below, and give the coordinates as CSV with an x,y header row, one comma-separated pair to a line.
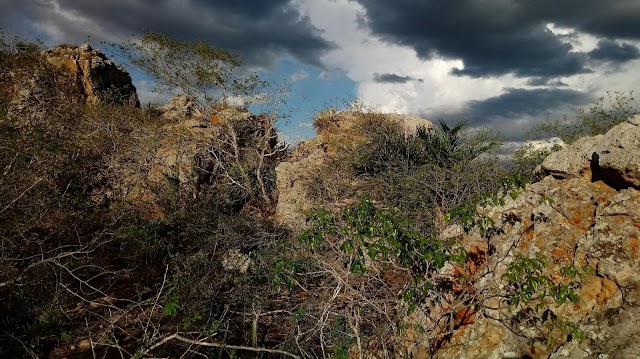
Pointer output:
x,y
162,232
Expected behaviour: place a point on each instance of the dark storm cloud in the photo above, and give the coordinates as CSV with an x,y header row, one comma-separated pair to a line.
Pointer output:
x,y
515,111
497,37
391,78
259,30
516,103
612,51
543,81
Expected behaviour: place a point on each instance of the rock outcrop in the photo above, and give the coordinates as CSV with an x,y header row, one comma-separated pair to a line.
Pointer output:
x,y
612,157
336,131
67,76
585,214
192,151
99,79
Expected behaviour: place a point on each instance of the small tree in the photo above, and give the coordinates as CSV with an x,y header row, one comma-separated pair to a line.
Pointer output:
x,y
203,72
445,146
596,120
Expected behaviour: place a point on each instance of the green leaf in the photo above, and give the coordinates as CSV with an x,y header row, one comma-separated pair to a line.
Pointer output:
x,y
170,309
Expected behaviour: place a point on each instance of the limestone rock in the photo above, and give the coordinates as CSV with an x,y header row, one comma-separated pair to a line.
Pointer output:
x,y
571,161
575,216
617,152
180,107
182,158
67,76
234,261
101,80
613,157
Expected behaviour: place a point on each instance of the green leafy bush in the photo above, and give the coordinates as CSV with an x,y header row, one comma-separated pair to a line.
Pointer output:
x,y
367,234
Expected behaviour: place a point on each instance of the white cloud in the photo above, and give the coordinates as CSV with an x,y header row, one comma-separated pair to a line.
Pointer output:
x,y
299,75
580,42
146,93
361,55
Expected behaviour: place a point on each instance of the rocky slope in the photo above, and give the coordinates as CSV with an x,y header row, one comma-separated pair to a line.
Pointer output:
x,y
586,214
336,131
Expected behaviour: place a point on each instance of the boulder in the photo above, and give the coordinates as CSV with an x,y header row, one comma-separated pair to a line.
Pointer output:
x,y
184,158
572,160
611,157
235,261
101,80
616,155
181,107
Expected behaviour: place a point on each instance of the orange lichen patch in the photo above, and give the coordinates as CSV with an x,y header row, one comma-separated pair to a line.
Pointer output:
x,y
562,254
634,245
465,316
463,287
216,118
477,258
576,218
608,191
527,238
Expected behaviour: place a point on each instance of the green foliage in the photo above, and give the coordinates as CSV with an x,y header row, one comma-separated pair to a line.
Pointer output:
x,y
390,148
171,304
414,172
527,159
342,341
191,321
467,214
528,281
283,273
446,146
198,69
528,284
596,120
562,329
367,234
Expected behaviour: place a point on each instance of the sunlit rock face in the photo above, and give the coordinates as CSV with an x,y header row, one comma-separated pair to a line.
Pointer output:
x,y
67,76
101,80
584,213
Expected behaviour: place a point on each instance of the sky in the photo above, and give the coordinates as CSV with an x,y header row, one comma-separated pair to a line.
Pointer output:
x,y
502,64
